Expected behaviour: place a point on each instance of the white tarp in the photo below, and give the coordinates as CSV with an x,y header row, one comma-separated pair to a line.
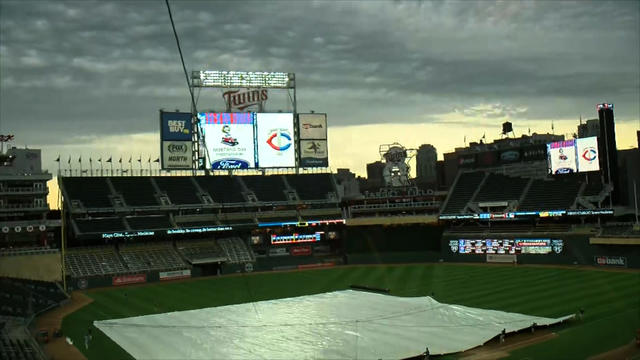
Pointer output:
x,y
337,325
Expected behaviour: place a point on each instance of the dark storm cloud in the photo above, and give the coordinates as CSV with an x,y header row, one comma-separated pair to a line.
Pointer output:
x,y
96,68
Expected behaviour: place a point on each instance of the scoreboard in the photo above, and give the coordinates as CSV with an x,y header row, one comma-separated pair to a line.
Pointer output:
x,y
506,246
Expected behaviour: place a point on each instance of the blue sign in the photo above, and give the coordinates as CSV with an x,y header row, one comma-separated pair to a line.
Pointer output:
x,y
175,126
229,164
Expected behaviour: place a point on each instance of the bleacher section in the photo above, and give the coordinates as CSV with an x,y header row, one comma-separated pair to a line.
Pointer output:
x,y
236,250
161,256
197,252
266,188
311,186
499,187
136,190
181,190
463,191
18,349
93,192
222,189
23,298
81,262
551,194
152,222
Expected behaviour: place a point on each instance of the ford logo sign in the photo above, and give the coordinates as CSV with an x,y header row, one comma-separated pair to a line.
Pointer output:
x,y
229,164
564,171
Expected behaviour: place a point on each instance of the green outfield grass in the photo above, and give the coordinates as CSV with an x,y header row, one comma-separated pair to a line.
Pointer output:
x,y
611,299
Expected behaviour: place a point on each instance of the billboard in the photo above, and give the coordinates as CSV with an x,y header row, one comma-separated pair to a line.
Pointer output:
x,y
313,126
176,155
229,138
588,156
175,126
275,140
562,157
575,155
313,153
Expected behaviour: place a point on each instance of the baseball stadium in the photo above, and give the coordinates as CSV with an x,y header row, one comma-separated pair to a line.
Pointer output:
x,y
241,242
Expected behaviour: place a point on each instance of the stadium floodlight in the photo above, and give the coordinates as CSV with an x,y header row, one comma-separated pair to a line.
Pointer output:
x,y
241,79
604,106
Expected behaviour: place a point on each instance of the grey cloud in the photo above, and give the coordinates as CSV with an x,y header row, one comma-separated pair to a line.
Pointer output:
x,y
107,67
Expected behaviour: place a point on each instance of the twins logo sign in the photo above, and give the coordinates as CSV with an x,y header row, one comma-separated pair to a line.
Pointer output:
x,y
279,139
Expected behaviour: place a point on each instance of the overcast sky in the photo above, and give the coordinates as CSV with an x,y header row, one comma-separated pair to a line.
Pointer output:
x,y
89,77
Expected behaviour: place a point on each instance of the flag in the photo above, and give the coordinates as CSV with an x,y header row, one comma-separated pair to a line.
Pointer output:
x,y
80,159
157,160
149,161
120,161
140,158
100,159
90,159
130,157
484,136
69,161
109,159
58,159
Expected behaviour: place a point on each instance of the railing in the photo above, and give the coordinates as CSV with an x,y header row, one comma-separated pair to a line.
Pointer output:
x,y
146,171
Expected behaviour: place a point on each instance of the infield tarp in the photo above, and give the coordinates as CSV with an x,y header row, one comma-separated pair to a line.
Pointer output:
x,y
337,325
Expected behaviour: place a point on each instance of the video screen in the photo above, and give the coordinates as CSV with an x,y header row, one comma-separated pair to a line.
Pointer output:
x,y
296,238
229,140
275,137
575,155
506,246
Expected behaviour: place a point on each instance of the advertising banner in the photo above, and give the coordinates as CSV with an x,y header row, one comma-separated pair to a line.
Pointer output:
x,y
175,126
587,151
313,126
173,275
313,153
467,160
229,139
536,152
562,157
487,158
176,155
610,260
129,279
509,156
300,250
276,145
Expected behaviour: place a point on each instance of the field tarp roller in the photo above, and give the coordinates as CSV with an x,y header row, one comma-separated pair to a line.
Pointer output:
x,y
337,325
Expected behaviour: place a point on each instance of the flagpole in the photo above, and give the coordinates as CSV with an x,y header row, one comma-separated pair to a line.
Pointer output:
x,y
90,167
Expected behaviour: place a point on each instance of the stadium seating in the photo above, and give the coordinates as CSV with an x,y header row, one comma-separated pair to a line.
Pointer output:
x,y
19,348
99,225
266,188
550,194
464,189
147,257
181,190
135,190
22,298
222,189
236,250
499,187
201,251
92,192
81,262
311,186
152,222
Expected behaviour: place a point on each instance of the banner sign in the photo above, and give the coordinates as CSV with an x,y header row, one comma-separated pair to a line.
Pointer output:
x,y
176,155
313,126
175,126
313,153
587,152
129,279
300,250
173,275
610,260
